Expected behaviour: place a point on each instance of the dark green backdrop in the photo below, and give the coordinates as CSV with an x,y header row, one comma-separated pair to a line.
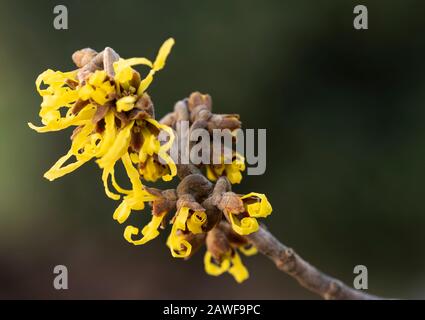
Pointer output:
x,y
344,112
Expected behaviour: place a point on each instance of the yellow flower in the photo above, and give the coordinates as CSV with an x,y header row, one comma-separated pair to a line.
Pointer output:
x,y
256,206
126,103
114,122
150,166
152,158
149,232
100,109
124,72
135,198
248,250
64,91
196,221
230,262
233,171
185,221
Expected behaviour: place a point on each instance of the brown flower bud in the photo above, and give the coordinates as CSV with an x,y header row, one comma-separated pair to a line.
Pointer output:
x,y
96,63
234,239
188,201
165,202
109,57
197,99
217,243
230,202
83,56
214,215
195,184
224,121
143,108
196,241
200,113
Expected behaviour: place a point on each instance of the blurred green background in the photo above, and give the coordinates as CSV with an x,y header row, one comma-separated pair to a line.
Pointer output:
x,y
344,112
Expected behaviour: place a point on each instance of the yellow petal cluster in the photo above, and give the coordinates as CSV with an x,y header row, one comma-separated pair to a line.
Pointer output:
x,y
185,221
230,262
233,171
153,160
112,124
256,206
107,138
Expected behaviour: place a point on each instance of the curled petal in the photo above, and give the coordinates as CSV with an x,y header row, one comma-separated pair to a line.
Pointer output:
x,y
259,209
131,202
238,270
179,247
211,175
54,80
248,250
196,221
54,122
214,269
149,232
233,170
163,149
81,140
245,226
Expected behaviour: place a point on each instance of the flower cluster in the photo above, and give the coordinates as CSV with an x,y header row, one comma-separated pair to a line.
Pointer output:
x,y
113,119
106,102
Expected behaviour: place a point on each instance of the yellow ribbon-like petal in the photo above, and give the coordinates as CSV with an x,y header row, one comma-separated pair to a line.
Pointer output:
x,y
231,262
163,149
179,247
245,226
56,123
233,170
136,198
238,270
249,250
159,63
145,83
149,232
118,148
109,134
259,209
196,221
126,103
123,70
80,141
214,269
211,173
163,53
